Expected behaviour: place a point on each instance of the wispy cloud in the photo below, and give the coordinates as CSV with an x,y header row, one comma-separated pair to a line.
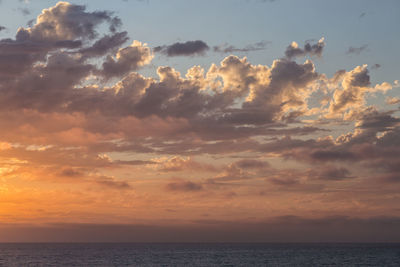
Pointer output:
x,y
357,50
226,48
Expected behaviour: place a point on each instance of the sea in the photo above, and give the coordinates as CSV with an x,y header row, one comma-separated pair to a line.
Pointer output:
x,y
198,254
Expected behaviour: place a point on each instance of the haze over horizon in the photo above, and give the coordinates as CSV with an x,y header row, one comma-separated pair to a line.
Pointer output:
x,y
199,121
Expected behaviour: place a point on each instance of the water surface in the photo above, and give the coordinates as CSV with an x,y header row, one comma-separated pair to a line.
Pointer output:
x,y
173,254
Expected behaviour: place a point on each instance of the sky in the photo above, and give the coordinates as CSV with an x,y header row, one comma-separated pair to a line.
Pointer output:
x,y
199,121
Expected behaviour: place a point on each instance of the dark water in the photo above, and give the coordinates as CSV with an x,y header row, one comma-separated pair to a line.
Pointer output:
x,y
126,254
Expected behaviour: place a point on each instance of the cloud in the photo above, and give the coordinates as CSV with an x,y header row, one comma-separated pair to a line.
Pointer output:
x,y
226,48
378,121
286,182
66,21
24,11
189,48
177,163
251,164
270,92
70,172
331,155
105,44
335,173
293,49
111,183
92,177
184,186
263,89
356,50
127,59
2,28
355,85
392,100
62,26
244,169
376,66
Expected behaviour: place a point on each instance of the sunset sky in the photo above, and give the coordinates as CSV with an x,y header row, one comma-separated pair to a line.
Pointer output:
x,y
187,120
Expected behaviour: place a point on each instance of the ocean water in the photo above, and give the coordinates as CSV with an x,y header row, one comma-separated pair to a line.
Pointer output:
x,y
152,254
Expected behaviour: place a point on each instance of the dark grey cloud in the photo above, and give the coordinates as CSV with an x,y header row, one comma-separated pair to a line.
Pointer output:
x,y
332,155
30,23
393,177
114,23
360,78
188,48
378,121
2,28
72,172
127,59
390,139
251,164
376,66
294,50
110,183
24,11
184,186
335,173
92,177
356,50
363,14
105,44
28,52
226,48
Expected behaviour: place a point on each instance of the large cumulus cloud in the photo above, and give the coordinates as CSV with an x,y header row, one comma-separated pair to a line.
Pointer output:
x,y
66,21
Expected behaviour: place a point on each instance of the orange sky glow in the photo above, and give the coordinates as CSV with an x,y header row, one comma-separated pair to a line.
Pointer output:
x,y
102,142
